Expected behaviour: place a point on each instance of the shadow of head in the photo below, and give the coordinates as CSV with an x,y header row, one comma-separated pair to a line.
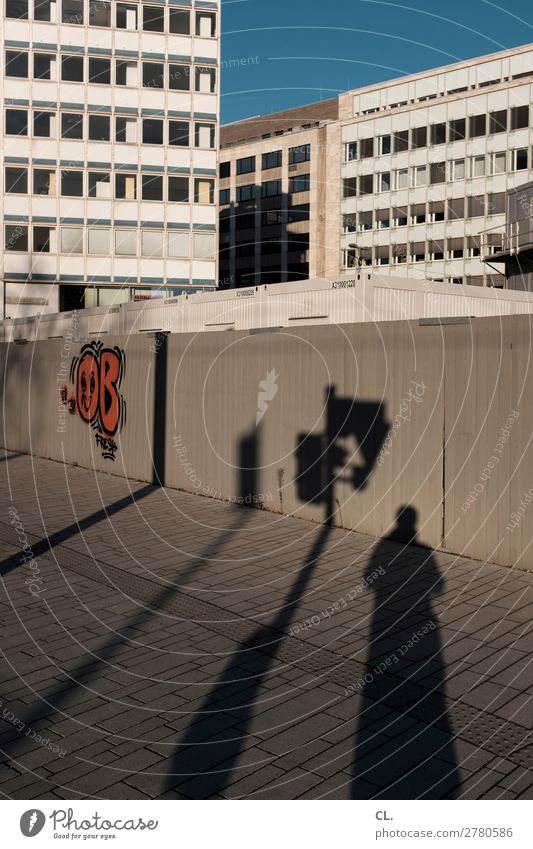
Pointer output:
x,y
405,529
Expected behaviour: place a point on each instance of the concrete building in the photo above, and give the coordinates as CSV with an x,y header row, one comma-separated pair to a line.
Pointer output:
x,y
280,196
109,127
511,245
424,166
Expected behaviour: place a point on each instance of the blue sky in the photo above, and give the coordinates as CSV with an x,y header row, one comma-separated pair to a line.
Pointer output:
x,y
282,53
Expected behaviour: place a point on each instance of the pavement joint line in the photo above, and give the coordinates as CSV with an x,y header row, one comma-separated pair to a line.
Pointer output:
x,y
469,723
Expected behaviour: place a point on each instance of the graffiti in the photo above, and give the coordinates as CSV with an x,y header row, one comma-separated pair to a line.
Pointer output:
x,y
96,375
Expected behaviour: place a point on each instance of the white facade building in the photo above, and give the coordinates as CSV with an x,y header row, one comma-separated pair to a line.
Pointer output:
x,y
426,164
110,134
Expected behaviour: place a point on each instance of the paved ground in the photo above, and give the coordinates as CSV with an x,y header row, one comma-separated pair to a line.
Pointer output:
x,y
162,645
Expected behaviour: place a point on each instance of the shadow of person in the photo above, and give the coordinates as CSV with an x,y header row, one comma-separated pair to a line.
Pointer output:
x,y
404,743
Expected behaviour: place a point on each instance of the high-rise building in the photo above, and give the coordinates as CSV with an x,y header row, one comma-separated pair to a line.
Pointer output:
x,y
109,130
423,169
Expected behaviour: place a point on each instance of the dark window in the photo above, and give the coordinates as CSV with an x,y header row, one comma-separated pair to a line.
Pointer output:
x,y
180,21
16,181
349,189
153,18
178,133
153,75
271,216
126,186
270,189
301,183
245,193
401,141
152,187
476,206
273,159
41,239
498,122
71,125
496,203
225,169
125,72
99,127
179,77
72,69
299,154
44,182
100,71
366,184
125,129
72,12
438,134
419,137
42,66
41,10
99,184
152,131
366,148
457,130
16,122
16,64
72,184
519,117
16,237
178,189
478,126
42,124
456,208
126,16
246,165
521,159
224,197
300,212
437,173
99,13
17,9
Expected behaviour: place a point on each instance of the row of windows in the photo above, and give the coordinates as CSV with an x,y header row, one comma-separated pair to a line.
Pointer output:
x,y
272,159
98,71
101,127
269,189
475,126
99,184
269,217
431,251
424,213
438,172
21,238
126,15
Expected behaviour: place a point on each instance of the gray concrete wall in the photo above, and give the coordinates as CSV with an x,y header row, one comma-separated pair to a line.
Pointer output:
x,y
352,421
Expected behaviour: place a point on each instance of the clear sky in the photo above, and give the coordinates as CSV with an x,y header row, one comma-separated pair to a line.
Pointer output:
x,y
282,53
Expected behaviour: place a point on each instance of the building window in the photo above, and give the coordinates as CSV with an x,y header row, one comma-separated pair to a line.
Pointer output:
x,y
383,182
401,141
178,133
72,184
16,181
44,124
153,18
476,206
152,131
350,152
245,193
419,137
402,178
246,165
418,252
126,242
301,183
498,122
16,64
151,242
41,239
436,250
71,125
473,247
456,248
43,65
302,153
224,170
153,75
477,126
204,191
349,187
436,211
126,16
349,223
498,163
16,237
151,187
100,71
206,24
16,122
270,189
437,173
366,148
204,136
384,145
17,9
457,130
383,219
71,240
438,134
42,10
519,159
519,117
457,169
126,73
178,189
204,245
179,21
179,77
224,197
418,213
100,13
126,186
99,184
204,80
273,159
366,185
477,166
299,212
399,216
98,242
99,127
72,12
271,217
72,69
126,130
496,203
178,244
456,209
364,222
44,182
420,176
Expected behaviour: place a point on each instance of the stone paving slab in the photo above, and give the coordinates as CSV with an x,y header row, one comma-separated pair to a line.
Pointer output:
x,y
181,647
